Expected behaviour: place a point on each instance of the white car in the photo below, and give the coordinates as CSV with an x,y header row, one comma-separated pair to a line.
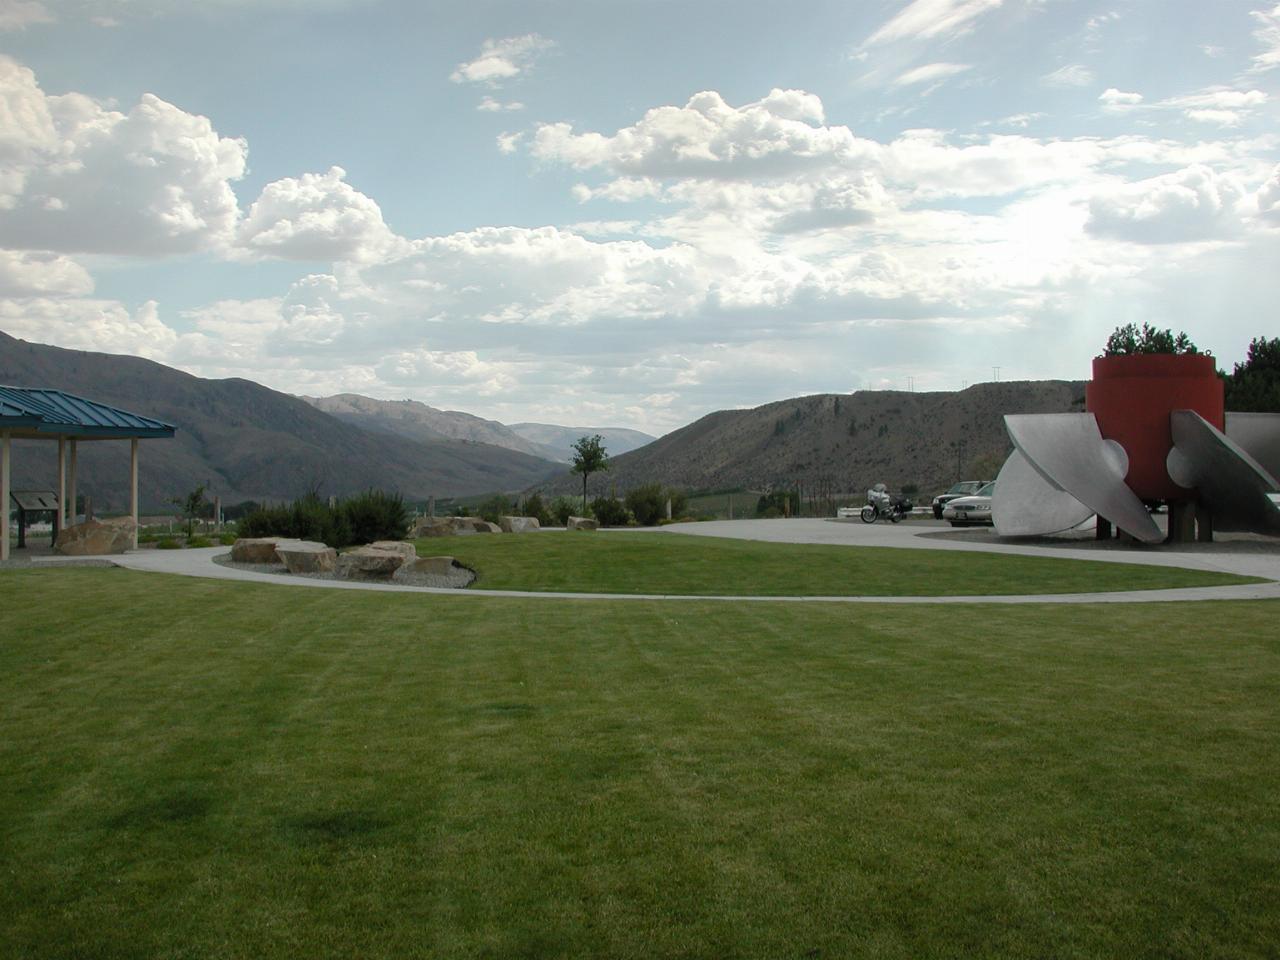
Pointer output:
x,y
969,511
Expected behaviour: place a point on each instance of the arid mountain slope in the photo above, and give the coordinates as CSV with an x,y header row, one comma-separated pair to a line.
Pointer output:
x,y
844,442
245,440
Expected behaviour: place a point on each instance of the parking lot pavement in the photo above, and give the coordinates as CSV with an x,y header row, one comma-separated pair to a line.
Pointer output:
x,y
1256,557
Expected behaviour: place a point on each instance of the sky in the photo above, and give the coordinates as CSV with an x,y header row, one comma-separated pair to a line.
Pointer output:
x,y
626,213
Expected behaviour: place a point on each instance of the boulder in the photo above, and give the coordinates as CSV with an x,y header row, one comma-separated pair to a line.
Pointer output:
x,y
434,527
94,538
368,563
435,566
396,546
518,524
256,549
307,556
582,523
463,526
484,526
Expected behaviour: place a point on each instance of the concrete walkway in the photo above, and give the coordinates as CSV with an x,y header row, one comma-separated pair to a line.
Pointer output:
x,y
1264,563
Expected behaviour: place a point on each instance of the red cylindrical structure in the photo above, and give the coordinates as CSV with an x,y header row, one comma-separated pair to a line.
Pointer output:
x,y
1132,397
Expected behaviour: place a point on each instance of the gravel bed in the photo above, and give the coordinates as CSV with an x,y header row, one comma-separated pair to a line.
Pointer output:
x,y
26,563
460,577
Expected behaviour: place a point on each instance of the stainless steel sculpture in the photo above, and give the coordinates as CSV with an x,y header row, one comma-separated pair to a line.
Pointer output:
x,y
1069,455
1233,485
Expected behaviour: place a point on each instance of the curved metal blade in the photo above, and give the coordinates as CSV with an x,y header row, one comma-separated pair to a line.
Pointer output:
x,y
1235,486
1258,435
1069,451
1028,505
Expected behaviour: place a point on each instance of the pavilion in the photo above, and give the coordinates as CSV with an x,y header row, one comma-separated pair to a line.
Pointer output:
x,y
41,414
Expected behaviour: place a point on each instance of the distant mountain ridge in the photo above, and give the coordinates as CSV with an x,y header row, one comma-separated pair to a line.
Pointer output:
x,y
244,440
560,439
417,421
840,442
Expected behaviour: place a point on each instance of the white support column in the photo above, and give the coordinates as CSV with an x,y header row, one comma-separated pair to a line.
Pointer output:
x,y
71,486
4,495
133,487
62,484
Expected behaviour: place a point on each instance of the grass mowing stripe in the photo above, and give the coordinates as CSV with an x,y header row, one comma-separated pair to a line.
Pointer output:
x,y
237,770
676,564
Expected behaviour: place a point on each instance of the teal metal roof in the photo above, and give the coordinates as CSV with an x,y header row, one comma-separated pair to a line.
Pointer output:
x,y
56,413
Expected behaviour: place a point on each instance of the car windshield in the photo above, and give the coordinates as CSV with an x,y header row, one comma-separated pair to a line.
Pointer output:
x,y
965,488
988,491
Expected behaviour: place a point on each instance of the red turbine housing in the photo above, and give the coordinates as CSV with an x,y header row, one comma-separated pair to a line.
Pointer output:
x,y
1132,396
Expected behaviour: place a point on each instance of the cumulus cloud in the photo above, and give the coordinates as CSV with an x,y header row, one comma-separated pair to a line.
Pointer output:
x,y
502,60
20,14
1218,105
85,324
782,133
315,217
25,273
930,73
1267,33
77,177
490,105
1268,197
925,19
1193,204
1072,75
1118,100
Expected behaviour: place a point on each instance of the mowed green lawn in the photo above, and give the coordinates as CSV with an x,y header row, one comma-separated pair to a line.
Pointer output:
x,y
678,564
195,768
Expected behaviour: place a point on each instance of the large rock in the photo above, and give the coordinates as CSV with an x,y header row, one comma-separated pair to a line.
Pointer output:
x,y
468,525
434,527
307,556
435,566
368,563
94,538
582,523
518,524
396,546
256,549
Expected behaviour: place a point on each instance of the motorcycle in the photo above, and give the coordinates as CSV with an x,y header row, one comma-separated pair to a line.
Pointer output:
x,y
881,504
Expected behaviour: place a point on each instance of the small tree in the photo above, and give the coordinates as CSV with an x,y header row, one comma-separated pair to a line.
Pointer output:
x,y
1128,340
1255,384
192,507
589,457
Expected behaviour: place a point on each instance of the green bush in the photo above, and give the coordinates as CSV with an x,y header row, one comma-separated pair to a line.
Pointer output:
x,y
495,507
649,503
562,508
610,512
534,507
199,541
168,543
776,504
227,539
373,515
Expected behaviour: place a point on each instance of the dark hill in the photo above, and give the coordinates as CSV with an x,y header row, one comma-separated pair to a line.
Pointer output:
x,y
839,443
245,440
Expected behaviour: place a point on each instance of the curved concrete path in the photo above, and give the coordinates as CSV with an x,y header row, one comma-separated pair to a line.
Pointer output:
x,y
1266,563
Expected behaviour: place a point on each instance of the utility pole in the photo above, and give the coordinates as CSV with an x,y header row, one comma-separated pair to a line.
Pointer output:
x,y
911,384
996,371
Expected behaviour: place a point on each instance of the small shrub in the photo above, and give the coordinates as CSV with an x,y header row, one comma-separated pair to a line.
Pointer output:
x,y
610,512
168,543
493,508
199,541
375,515
227,539
649,503
562,508
534,507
